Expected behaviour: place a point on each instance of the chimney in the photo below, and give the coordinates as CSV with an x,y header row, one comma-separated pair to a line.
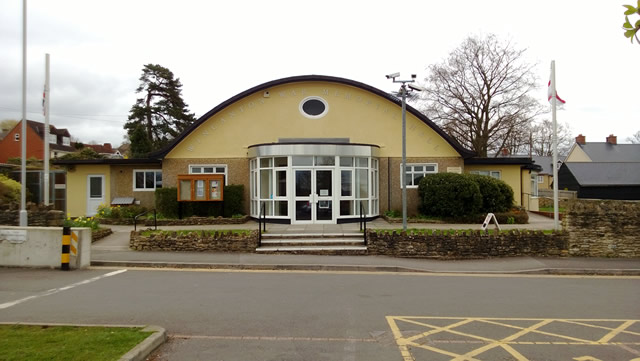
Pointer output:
x,y
581,139
612,139
107,147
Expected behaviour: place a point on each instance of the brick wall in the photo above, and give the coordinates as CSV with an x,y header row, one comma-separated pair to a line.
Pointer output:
x,y
603,228
467,245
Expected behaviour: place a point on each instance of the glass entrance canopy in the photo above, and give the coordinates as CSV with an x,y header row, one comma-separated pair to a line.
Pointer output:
x,y
314,182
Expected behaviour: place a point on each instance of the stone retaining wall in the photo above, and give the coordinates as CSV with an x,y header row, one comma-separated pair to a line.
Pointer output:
x,y
37,216
467,245
603,228
195,242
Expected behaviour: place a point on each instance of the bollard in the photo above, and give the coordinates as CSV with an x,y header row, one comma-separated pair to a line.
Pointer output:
x,y
66,247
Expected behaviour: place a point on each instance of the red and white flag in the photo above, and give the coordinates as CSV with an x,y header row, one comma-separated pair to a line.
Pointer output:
x,y
549,95
44,99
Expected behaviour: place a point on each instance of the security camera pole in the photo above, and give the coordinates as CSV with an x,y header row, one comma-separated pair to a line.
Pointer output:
x,y
403,94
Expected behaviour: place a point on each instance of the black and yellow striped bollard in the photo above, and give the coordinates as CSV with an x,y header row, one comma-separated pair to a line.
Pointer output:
x,y
66,247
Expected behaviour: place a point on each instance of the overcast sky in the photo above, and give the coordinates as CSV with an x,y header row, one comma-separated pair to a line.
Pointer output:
x,y
221,48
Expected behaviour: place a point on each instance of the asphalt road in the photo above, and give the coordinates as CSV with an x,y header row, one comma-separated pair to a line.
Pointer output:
x,y
214,315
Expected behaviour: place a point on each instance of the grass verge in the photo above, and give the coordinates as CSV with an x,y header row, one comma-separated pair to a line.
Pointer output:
x,y
68,343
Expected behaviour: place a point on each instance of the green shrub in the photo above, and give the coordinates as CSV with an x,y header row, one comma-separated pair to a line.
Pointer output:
x,y
449,195
497,196
167,203
233,199
119,212
9,190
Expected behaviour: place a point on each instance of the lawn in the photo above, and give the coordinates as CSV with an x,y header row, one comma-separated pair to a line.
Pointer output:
x,y
550,209
68,343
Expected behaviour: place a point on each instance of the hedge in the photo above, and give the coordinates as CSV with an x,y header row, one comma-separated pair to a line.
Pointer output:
x,y
463,195
167,203
449,195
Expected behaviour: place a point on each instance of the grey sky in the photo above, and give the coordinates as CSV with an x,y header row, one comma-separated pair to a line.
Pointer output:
x,y
219,49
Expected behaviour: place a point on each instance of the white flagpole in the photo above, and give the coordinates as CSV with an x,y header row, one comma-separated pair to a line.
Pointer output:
x,y
47,184
556,223
23,172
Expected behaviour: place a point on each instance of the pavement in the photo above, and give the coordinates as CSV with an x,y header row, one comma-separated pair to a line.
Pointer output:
x,y
114,251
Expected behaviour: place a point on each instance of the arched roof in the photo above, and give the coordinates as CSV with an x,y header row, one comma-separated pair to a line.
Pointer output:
x,y
465,153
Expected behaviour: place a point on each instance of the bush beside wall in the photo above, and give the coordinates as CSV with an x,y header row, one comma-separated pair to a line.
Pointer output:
x,y
167,203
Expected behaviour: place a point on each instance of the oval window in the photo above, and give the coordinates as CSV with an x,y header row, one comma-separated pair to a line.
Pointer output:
x,y
313,107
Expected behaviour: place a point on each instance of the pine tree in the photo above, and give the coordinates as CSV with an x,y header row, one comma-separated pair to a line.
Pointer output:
x,y
161,112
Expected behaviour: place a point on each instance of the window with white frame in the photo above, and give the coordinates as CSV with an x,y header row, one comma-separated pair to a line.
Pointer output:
x,y
210,169
53,139
417,171
540,179
16,137
66,141
534,184
147,179
490,173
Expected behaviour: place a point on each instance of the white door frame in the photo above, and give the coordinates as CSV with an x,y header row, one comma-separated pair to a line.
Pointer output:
x,y
94,202
314,198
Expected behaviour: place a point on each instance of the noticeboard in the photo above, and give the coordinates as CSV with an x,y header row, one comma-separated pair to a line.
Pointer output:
x,y
200,187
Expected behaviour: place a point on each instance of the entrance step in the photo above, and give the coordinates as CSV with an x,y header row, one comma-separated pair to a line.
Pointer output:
x,y
324,244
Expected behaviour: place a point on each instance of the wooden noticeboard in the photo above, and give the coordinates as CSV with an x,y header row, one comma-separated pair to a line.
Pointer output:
x,y
200,187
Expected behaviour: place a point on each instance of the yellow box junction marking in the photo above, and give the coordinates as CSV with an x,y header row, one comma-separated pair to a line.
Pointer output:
x,y
74,243
433,325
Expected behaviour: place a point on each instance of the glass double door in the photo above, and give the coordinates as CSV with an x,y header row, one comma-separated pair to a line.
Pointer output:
x,y
313,194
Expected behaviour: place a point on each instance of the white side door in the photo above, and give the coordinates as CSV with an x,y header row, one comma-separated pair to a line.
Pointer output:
x,y
95,193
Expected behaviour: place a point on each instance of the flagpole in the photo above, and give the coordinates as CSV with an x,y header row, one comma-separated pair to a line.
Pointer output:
x,y
47,184
556,223
23,171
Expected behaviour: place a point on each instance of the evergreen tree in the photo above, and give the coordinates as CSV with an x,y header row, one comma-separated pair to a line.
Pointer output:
x,y
161,112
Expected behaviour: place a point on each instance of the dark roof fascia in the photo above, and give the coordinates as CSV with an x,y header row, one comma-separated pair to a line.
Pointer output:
x,y
112,161
465,153
321,143
509,160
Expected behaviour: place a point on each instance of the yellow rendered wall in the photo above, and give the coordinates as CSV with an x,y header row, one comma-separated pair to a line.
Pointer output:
x,y
77,187
510,174
576,154
353,113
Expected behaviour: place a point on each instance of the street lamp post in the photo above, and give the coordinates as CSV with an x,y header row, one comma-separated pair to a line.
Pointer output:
x,y
403,94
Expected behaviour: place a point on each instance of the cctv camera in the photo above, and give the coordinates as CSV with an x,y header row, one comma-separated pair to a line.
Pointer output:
x,y
394,75
415,87
413,76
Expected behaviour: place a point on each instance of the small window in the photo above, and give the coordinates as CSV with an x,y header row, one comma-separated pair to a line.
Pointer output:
x,y
415,173
489,173
314,107
53,139
540,179
209,169
147,180
16,137
66,141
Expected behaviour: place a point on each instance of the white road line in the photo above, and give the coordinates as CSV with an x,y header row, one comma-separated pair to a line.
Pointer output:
x,y
56,290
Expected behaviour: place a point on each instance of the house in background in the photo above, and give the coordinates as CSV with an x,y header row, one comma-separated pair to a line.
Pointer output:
x,y
545,175
602,170
11,146
105,150
310,149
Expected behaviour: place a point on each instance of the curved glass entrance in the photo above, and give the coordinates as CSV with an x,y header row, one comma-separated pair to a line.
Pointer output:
x,y
314,183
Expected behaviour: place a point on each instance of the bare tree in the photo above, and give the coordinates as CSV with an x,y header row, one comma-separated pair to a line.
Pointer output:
x,y
542,138
635,138
480,94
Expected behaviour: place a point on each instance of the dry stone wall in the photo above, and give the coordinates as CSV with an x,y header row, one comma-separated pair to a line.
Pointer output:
x,y
467,245
194,242
37,216
603,228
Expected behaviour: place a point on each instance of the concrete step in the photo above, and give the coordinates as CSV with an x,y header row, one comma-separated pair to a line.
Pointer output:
x,y
322,250
312,235
299,242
